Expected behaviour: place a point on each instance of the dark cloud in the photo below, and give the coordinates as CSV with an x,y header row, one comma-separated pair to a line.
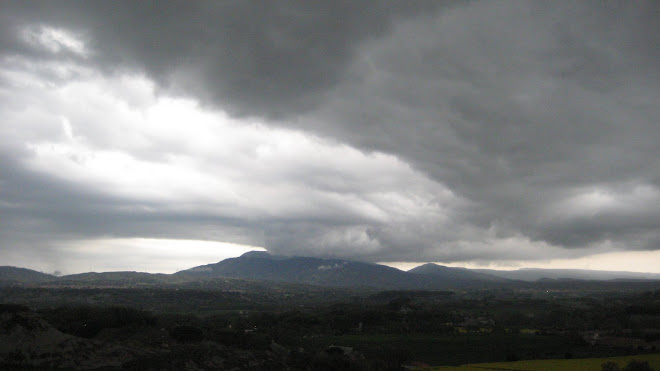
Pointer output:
x,y
518,107
273,59
540,119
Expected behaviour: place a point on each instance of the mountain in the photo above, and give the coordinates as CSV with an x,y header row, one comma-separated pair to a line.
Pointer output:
x,y
334,272
535,274
13,275
316,271
261,266
452,274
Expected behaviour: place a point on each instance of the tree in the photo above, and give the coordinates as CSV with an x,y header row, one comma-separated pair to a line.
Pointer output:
x,y
638,366
610,366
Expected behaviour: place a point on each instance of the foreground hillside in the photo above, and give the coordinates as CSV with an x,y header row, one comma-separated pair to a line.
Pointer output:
x,y
116,338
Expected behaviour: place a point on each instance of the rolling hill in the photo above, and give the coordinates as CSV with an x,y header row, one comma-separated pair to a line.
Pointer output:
x,y
259,266
334,272
535,274
316,271
13,275
455,274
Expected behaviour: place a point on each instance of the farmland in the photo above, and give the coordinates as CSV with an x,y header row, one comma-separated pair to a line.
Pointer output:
x,y
557,364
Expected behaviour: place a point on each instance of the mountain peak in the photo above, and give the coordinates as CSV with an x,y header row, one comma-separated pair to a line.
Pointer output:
x,y
428,268
257,254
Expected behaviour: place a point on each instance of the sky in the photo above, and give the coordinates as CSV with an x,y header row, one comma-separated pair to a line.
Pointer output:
x,y
156,136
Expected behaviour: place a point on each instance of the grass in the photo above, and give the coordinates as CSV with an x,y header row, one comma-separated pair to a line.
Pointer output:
x,y
591,364
458,349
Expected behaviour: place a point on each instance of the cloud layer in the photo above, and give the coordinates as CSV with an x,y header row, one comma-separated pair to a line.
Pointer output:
x,y
416,131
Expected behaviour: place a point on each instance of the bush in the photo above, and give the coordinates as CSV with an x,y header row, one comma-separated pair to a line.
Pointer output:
x,y
638,366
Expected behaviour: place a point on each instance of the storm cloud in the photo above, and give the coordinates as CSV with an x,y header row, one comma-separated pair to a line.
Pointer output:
x,y
381,131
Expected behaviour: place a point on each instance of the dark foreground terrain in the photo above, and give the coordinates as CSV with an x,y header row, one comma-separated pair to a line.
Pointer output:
x,y
266,325
265,312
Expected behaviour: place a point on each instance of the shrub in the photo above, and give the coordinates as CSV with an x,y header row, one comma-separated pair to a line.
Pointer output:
x,y
638,366
610,366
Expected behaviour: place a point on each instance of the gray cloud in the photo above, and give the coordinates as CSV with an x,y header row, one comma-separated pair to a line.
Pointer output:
x,y
539,118
270,59
518,107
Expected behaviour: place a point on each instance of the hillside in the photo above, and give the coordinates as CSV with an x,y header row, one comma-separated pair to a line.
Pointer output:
x,y
335,272
316,271
13,275
534,274
127,278
452,274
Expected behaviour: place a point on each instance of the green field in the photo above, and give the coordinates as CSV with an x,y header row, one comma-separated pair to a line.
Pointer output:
x,y
557,364
459,349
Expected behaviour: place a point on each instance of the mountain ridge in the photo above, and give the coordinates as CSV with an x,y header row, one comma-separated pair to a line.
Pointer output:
x,y
454,272
329,272
535,274
318,271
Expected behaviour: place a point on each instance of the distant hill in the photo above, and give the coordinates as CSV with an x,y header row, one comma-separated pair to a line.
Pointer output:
x,y
452,274
333,272
260,268
13,275
127,278
535,274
